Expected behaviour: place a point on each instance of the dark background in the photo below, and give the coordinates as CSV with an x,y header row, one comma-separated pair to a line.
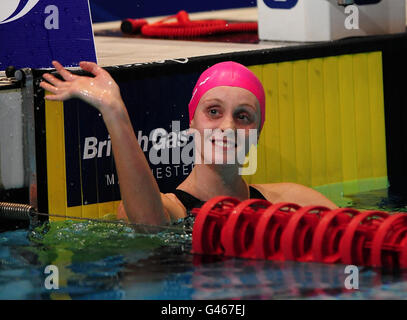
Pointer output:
x,y
108,10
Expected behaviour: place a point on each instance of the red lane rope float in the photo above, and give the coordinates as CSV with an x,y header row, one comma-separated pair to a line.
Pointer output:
x,y
238,232
355,243
270,226
208,224
403,255
185,28
258,229
297,236
328,233
390,238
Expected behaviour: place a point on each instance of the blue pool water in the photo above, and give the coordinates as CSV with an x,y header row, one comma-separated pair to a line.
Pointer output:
x,y
109,261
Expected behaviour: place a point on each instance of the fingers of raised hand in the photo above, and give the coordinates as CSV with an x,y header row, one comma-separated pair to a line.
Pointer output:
x,y
63,72
59,93
92,68
53,80
56,97
48,87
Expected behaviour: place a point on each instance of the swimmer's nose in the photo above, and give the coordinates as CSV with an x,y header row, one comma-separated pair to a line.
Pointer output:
x,y
227,123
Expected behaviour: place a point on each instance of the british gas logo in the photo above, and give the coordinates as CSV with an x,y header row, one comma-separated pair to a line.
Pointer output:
x,y
9,9
281,4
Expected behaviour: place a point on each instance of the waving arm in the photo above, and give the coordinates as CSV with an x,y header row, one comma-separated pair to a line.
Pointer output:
x,y
139,190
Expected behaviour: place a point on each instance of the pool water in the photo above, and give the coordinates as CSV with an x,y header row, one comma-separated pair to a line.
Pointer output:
x,y
111,261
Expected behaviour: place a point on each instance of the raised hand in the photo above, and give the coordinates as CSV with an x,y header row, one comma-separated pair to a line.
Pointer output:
x,y
100,91
139,190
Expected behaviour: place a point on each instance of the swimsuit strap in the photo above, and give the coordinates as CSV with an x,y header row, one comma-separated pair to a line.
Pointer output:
x,y
255,194
190,202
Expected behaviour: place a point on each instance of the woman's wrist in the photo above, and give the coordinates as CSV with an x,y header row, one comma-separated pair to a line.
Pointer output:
x,y
112,110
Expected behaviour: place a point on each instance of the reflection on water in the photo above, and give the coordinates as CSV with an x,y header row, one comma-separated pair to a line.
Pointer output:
x,y
110,261
184,276
379,200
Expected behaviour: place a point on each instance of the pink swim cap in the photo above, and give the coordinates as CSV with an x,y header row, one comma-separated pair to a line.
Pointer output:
x,y
230,74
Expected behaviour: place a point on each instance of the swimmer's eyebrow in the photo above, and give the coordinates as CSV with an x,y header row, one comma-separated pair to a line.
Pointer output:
x,y
212,99
244,104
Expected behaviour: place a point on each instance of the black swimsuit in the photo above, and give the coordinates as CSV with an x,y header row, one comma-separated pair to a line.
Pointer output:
x,y
190,202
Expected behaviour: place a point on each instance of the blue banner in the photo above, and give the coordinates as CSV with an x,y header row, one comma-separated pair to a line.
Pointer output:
x,y
35,32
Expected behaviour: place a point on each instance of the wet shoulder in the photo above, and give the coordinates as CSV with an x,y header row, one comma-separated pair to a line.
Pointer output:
x,y
293,192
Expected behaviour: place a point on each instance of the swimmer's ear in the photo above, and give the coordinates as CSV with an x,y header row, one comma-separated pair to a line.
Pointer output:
x,y
192,123
191,130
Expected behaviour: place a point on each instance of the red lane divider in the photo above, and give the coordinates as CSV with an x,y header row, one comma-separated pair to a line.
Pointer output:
x,y
258,229
184,28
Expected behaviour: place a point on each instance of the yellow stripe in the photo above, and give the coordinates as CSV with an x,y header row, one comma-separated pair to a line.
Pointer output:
x,y
55,141
317,122
269,161
363,135
377,119
103,210
348,123
302,123
332,121
287,122
261,160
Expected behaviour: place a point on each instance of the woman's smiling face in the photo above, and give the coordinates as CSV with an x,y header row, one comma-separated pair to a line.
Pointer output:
x,y
222,114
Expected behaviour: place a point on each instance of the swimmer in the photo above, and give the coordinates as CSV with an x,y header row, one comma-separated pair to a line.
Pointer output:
x,y
227,97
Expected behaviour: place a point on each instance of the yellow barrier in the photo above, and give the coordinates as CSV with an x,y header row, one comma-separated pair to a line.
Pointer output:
x,y
324,124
